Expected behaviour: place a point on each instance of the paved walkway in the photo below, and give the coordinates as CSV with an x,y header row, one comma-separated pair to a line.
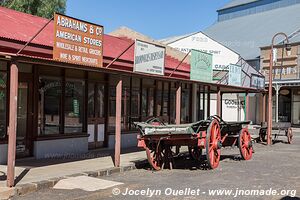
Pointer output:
x,y
31,170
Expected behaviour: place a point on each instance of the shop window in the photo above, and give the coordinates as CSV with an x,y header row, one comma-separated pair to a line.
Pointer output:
x,y
158,100
3,104
100,100
147,99
95,108
125,116
113,81
91,100
125,121
165,103
135,101
112,108
50,93
172,103
296,107
74,106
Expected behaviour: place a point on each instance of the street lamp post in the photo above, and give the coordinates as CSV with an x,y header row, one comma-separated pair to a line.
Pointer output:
x,y
288,49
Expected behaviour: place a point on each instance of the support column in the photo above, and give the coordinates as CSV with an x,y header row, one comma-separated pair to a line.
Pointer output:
x,y
178,104
264,108
195,102
277,88
247,106
12,126
219,99
208,102
118,123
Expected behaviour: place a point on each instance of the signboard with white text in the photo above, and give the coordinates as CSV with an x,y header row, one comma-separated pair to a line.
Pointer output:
x,y
149,58
235,75
201,66
77,41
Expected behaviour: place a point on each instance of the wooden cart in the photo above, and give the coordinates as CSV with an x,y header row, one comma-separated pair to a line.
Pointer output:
x,y
211,134
278,129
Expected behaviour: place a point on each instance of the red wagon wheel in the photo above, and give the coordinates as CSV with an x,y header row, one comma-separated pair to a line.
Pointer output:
x,y
245,144
289,135
213,144
195,152
155,157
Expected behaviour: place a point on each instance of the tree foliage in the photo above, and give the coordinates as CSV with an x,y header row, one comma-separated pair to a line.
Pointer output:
x,y
42,8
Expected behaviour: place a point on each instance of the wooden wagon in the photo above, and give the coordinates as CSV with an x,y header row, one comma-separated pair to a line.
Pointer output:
x,y
278,129
211,134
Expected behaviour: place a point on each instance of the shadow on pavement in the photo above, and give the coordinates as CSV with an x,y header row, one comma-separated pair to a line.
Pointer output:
x,y
185,162
59,159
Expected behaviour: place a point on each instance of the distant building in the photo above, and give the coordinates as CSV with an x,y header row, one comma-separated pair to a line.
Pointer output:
x,y
246,25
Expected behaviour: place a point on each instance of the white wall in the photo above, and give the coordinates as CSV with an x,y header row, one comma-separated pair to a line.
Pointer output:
x,y
222,56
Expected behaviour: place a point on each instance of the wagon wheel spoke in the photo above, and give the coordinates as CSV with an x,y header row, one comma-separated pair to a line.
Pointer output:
x,y
212,149
245,144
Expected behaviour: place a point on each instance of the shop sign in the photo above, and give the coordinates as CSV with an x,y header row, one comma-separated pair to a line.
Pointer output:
x,y
149,58
77,41
201,66
235,75
257,81
234,103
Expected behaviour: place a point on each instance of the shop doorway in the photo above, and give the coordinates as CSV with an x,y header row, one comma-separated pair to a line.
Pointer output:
x,y
284,105
96,116
24,117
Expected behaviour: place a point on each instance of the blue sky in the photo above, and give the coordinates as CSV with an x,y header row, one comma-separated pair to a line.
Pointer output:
x,y
155,18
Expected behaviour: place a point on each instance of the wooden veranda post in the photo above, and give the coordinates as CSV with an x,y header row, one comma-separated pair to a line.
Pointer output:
x,y
118,122
264,108
12,126
247,106
178,103
219,101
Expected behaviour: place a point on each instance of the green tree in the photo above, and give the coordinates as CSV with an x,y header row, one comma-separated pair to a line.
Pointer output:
x,y
42,8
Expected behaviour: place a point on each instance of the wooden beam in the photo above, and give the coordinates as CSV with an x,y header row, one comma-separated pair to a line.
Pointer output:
x,y
12,126
178,104
247,106
219,101
118,123
208,102
263,107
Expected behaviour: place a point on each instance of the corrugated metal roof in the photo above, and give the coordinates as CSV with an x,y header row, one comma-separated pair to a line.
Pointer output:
x,y
235,3
22,27
247,34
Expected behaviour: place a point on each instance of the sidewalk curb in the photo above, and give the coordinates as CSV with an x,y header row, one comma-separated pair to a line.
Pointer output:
x,y
28,188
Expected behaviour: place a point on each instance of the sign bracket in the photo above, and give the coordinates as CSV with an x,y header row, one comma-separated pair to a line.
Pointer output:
x,y
116,58
32,38
180,63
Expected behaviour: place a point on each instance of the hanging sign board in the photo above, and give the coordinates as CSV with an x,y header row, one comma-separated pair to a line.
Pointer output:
x,y
149,58
257,81
201,66
77,41
235,75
